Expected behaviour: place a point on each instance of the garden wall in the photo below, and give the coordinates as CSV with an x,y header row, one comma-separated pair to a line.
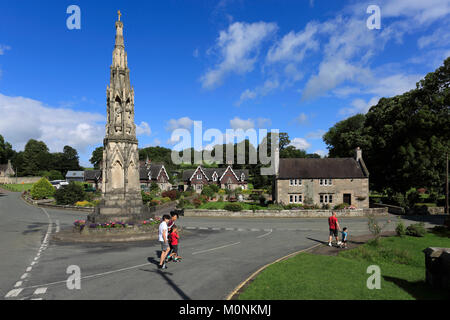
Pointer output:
x,y
284,213
19,180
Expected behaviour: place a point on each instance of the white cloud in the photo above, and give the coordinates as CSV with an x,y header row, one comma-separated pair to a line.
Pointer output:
x,y
23,119
265,89
359,106
182,123
301,119
418,10
238,123
318,134
238,49
322,153
263,123
439,38
4,48
300,143
394,85
294,46
143,129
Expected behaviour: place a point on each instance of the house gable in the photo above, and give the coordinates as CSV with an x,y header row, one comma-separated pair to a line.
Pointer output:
x,y
227,176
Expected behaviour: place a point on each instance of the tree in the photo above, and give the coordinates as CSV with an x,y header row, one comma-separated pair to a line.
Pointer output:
x,y
97,157
70,194
70,160
42,189
36,158
345,136
6,151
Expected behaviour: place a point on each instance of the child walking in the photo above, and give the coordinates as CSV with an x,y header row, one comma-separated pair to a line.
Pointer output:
x,y
173,241
344,238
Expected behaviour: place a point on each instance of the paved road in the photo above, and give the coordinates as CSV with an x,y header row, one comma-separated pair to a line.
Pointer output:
x,y
218,254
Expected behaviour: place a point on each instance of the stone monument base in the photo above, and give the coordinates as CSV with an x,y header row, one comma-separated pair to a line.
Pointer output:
x,y
121,207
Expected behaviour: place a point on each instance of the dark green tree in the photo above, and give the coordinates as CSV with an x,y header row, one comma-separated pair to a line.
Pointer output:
x,y
6,151
97,157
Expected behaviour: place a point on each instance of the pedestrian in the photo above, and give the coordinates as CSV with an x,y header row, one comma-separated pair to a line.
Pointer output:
x,y
334,228
164,241
174,238
174,217
344,237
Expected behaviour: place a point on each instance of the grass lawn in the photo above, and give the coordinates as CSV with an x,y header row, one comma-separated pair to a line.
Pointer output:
x,y
17,187
309,277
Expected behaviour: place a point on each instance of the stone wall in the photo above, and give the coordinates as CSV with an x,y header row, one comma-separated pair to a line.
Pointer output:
x,y
19,180
284,213
311,188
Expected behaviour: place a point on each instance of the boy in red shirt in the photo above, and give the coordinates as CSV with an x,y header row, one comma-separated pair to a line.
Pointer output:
x,y
173,241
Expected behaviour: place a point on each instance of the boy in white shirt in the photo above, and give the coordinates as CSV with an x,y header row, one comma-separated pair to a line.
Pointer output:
x,y
163,239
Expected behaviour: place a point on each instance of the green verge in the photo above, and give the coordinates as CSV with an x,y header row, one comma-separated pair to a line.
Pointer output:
x,y
343,277
17,187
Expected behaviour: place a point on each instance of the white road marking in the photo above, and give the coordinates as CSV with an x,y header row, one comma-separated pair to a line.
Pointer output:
x,y
203,228
13,293
28,269
216,228
37,299
33,263
57,226
255,230
266,234
40,291
190,228
18,284
24,276
240,229
229,229
213,249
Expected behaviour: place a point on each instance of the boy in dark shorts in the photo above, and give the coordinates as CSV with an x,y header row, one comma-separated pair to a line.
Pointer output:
x,y
173,241
334,229
344,238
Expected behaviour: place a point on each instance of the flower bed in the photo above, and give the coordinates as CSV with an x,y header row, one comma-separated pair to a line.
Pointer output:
x,y
115,226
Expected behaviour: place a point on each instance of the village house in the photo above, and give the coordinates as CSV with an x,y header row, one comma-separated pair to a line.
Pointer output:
x,y
225,178
148,173
325,181
6,170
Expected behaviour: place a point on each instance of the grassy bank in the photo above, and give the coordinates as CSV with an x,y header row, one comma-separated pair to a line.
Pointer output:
x,y
308,276
17,187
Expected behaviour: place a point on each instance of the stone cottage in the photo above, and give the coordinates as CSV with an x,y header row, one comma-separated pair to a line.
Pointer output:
x,y
224,178
329,181
6,170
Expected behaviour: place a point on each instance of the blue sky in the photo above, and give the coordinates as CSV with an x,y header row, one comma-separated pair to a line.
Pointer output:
x,y
297,66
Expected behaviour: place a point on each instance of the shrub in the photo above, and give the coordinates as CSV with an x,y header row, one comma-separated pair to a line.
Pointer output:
x,y
154,203
172,194
375,227
215,188
70,194
154,187
146,197
341,206
197,202
165,199
42,189
222,192
416,230
400,228
208,192
235,207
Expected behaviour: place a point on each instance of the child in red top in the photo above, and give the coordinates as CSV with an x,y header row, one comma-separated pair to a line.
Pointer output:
x,y
173,241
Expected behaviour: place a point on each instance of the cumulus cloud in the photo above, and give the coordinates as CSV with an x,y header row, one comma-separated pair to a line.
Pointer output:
x,y
293,46
181,123
238,49
300,143
359,106
418,10
260,123
302,118
268,86
318,134
143,129
23,119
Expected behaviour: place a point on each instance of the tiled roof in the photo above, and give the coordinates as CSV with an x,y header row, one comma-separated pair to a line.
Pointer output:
x,y
320,168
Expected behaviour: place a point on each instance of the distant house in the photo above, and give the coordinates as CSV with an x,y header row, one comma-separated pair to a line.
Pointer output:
x,y
329,181
154,172
6,170
148,173
75,176
225,178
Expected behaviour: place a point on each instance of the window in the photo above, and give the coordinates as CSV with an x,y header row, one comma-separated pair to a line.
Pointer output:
x,y
295,182
325,182
326,198
295,198
321,182
199,177
291,182
242,177
329,182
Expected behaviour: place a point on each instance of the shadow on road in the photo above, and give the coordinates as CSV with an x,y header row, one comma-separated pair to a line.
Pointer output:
x,y
319,241
165,276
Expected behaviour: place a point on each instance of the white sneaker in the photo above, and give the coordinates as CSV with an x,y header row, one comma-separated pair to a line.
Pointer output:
x,y
329,244
339,243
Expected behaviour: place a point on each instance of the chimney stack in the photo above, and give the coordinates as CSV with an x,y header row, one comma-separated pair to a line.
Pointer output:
x,y
358,154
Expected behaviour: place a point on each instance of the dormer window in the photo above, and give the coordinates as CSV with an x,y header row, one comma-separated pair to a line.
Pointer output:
x,y
214,177
199,177
242,177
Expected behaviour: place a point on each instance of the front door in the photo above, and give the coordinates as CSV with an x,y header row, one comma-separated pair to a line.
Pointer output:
x,y
348,198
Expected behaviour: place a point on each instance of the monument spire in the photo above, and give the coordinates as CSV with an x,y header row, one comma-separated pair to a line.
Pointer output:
x,y
120,170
